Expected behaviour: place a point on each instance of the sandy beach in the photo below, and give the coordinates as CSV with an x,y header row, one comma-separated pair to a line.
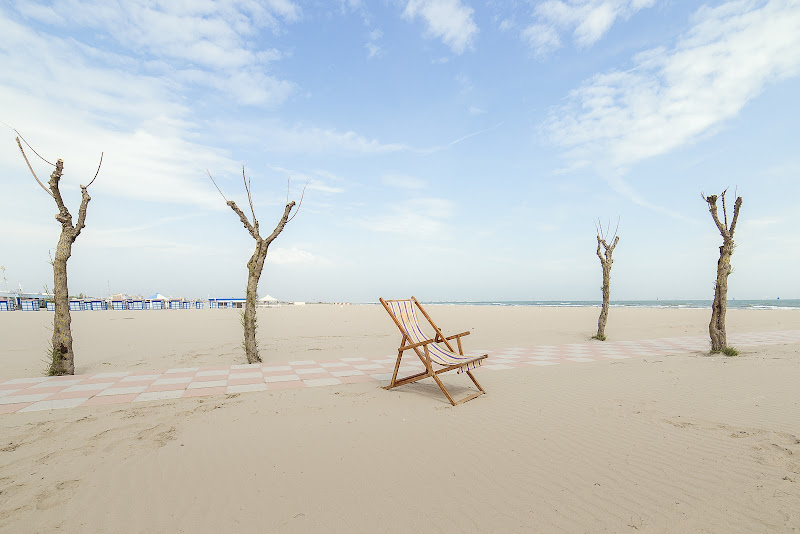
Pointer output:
x,y
685,442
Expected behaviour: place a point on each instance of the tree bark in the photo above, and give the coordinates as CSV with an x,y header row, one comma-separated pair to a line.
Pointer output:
x,y
605,261
716,327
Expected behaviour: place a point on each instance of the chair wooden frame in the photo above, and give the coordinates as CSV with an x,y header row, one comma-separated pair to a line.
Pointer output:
x,y
426,348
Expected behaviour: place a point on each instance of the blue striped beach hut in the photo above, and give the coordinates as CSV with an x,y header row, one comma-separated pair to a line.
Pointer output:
x,y
135,304
51,306
5,305
175,304
156,304
76,305
198,305
117,304
97,305
29,304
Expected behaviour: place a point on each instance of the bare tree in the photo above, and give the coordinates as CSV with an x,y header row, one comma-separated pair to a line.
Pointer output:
x,y
63,359
716,328
605,262
256,263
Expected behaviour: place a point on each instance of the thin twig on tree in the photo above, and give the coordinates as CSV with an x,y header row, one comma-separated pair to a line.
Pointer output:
x,y
34,150
31,168
215,185
303,194
98,170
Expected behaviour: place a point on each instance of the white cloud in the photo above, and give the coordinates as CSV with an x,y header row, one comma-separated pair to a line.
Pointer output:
x,y
286,256
448,20
318,140
418,218
672,96
211,43
402,181
588,20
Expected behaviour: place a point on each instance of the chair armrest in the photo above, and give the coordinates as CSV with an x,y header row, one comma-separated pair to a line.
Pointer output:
x,y
415,345
457,335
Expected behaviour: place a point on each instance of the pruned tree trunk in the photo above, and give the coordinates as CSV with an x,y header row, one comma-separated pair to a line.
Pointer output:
x,y
605,261
716,328
62,357
255,265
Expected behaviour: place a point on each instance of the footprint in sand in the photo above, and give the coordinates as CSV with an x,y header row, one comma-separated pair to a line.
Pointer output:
x,y
57,494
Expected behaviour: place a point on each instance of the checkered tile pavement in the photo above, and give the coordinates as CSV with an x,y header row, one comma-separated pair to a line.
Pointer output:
x,y
49,393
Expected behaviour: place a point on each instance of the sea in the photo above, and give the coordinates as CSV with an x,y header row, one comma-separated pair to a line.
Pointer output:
x,y
733,304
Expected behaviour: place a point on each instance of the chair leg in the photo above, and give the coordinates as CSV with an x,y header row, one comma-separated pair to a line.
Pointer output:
x,y
444,390
469,373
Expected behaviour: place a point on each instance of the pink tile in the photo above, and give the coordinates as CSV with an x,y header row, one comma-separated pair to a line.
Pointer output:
x,y
202,392
11,408
276,373
294,384
72,395
311,376
167,387
111,399
210,378
215,368
161,372
176,375
13,386
232,380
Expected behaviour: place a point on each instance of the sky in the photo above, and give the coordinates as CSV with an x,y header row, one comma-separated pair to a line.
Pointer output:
x,y
456,150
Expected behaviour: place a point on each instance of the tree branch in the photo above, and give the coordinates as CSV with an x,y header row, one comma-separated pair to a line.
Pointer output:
x,y
253,231
281,223
96,173
736,206
303,194
215,185
712,207
31,168
85,198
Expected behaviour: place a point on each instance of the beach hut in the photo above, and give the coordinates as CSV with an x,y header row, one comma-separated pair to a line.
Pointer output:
x,y
268,301
29,304
213,304
198,304
117,304
5,305
136,304
229,303
175,304
97,305
51,306
156,304
76,305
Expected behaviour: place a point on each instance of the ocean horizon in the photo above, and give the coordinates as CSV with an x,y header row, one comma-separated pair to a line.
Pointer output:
x,y
762,304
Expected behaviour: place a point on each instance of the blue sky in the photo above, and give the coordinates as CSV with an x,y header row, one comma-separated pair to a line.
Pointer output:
x,y
453,149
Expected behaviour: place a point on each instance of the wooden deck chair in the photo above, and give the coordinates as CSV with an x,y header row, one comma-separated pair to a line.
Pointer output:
x,y
429,350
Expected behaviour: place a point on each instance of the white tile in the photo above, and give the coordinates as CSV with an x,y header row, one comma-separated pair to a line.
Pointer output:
x,y
215,372
543,363
303,362
276,368
27,380
16,399
56,383
139,378
581,359
7,392
184,370
367,366
53,404
90,387
354,359
158,395
245,366
281,378
111,375
354,372
334,364
122,391
316,382
244,388
311,370
209,384
176,380
382,376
